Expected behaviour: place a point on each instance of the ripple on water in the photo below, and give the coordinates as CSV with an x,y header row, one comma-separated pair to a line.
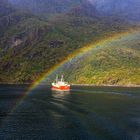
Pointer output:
x,y
80,114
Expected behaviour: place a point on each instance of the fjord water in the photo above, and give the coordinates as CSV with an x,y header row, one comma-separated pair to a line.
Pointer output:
x,y
84,113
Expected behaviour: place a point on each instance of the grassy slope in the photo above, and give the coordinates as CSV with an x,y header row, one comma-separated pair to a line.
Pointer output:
x,y
115,63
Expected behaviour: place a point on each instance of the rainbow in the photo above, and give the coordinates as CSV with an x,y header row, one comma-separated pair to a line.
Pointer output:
x,y
83,50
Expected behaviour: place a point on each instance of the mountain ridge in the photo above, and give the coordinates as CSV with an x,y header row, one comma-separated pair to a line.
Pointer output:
x,y
128,9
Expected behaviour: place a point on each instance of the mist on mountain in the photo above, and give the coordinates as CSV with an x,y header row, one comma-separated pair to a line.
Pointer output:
x,y
46,7
125,9
128,9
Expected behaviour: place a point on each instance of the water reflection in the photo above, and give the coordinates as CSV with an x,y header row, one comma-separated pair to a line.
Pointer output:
x,y
76,114
60,93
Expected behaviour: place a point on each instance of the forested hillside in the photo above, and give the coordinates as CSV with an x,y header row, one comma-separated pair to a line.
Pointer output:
x,y
32,42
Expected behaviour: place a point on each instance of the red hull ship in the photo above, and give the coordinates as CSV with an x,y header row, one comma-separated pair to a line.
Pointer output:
x,y
60,85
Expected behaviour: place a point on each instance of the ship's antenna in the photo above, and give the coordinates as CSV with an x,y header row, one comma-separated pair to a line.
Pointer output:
x,y
62,78
56,78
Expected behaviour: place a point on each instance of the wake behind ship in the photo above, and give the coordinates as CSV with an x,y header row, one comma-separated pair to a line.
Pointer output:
x,y
60,85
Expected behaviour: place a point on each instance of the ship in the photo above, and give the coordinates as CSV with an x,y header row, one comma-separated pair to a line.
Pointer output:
x,y
60,85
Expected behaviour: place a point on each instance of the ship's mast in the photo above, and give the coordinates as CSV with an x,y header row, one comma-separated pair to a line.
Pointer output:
x,y
56,78
62,78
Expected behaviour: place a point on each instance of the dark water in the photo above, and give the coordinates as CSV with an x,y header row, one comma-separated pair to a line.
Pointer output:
x,y
85,113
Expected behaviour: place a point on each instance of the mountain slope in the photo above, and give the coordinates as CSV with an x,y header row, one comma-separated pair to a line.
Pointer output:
x,y
41,44
46,7
127,9
113,63
5,8
30,45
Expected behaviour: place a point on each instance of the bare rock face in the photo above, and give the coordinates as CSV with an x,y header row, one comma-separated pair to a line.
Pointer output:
x,y
16,42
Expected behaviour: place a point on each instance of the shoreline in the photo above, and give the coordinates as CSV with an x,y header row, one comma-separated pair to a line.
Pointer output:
x,y
91,85
105,85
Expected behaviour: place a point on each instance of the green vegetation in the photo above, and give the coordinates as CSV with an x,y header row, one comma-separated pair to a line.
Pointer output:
x,y
114,63
30,45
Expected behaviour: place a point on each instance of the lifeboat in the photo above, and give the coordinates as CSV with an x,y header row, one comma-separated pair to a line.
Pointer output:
x,y
60,85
